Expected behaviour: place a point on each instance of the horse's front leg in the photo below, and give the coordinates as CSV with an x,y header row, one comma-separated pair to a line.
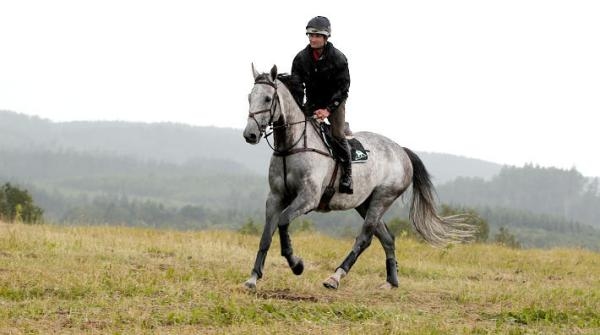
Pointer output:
x,y
300,205
273,210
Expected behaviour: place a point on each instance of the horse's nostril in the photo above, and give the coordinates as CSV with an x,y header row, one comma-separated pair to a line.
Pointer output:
x,y
250,138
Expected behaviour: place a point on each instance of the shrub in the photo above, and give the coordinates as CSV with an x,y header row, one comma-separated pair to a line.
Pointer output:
x,y
16,205
505,238
249,228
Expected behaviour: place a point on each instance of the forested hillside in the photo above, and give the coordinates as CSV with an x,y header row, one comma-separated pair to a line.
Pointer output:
x,y
179,176
163,142
550,191
178,144
100,188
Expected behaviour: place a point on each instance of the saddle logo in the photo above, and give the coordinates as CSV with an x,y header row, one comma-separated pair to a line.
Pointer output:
x,y
360,155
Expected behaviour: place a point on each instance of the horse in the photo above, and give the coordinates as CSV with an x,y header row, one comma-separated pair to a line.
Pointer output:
x,y
301,170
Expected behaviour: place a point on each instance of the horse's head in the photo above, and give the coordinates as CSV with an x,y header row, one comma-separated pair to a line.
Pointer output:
x,y
263,105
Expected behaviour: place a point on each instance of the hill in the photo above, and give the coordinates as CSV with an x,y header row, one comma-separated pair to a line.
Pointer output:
x,y
185,177
550,191
178,144
162,142
89,280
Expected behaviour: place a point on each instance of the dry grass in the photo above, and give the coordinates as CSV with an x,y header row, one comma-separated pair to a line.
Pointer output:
x,y
98,280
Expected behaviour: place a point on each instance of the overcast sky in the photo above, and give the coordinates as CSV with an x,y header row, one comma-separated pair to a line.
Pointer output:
x,y
511,82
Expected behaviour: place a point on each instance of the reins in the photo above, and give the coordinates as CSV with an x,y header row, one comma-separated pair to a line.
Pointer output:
x,y
291,149
284,152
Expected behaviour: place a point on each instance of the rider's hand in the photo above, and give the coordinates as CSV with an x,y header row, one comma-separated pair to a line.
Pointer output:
x,y
322,114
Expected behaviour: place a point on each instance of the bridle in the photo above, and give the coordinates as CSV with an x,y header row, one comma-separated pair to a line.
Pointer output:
x,y
271,110
292,148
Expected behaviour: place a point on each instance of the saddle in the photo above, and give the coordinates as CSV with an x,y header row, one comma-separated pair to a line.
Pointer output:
x,y
357,151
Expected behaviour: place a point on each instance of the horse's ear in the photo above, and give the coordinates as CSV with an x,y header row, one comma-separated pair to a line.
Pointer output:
x,y
254,72
274,72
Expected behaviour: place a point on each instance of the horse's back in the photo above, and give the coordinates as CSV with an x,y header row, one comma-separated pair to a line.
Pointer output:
x,y
388,170
384,153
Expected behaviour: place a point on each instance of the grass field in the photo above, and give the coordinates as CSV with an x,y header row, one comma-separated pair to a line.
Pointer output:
x,y
115,280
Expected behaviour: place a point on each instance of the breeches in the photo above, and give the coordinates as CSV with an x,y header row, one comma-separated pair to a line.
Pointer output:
x,y
337,120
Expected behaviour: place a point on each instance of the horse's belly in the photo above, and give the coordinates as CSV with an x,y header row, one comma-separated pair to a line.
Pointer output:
x,y
385,171
364,180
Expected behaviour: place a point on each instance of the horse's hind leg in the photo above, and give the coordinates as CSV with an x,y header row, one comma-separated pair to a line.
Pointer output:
x,y
372,211
362,242
389,246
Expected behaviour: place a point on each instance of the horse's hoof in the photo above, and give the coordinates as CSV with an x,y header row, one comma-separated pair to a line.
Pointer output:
x,y
331,283
250,285
298,268
386,286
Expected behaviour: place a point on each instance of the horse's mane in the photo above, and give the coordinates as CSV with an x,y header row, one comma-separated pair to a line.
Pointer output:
x,y
291,82
294,85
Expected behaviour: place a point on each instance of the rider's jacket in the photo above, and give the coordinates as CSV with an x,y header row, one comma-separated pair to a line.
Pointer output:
x,y
326,80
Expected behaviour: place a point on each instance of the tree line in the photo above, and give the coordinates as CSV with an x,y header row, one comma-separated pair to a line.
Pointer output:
x,y
507,226
550,191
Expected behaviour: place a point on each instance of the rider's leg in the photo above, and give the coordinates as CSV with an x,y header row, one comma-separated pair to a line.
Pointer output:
x,y
341,147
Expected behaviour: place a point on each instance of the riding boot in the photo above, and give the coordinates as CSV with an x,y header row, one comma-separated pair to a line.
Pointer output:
x,y
342,151
346,181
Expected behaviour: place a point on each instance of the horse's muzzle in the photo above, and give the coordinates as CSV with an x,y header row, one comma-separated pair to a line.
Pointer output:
x,y
252,138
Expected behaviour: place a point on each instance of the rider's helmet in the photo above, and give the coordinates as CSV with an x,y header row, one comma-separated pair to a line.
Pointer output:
x,y
319,25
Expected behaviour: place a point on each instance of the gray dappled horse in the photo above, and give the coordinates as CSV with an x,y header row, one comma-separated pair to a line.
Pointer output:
x,y
301,169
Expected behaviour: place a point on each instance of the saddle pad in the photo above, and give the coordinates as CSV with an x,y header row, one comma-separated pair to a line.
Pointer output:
x,y
357,151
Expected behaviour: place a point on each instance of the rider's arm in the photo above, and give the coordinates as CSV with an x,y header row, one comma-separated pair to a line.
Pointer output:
x,y
342,82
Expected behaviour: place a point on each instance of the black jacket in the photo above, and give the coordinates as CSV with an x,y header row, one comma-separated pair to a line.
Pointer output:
x,y
326,80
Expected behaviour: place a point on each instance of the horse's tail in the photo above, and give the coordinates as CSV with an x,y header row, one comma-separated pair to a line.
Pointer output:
x,y
433,228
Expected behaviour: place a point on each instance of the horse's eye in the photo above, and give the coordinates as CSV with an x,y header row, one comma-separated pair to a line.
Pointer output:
x,y
267,99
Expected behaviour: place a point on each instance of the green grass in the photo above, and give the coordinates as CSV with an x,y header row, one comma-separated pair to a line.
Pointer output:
x,y
115,280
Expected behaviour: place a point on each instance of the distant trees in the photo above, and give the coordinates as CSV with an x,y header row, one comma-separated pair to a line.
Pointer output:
x,y
16,205
402,228
253,228
555,192
507,239
249,228
303,225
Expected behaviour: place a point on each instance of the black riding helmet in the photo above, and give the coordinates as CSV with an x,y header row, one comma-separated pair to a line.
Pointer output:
x,y
319,25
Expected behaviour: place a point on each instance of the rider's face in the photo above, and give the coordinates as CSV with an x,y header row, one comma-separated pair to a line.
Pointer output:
x,y
317,41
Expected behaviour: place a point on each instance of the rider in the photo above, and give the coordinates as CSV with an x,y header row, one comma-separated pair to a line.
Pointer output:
x,y
323,70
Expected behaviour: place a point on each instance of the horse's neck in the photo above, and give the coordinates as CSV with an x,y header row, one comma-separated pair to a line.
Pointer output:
x,y
291,115
289,108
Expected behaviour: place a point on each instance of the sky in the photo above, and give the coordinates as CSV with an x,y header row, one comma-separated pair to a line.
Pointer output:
x,y
511,81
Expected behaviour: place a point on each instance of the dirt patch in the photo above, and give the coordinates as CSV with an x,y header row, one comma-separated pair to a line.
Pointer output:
x,y
290,296
93,324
